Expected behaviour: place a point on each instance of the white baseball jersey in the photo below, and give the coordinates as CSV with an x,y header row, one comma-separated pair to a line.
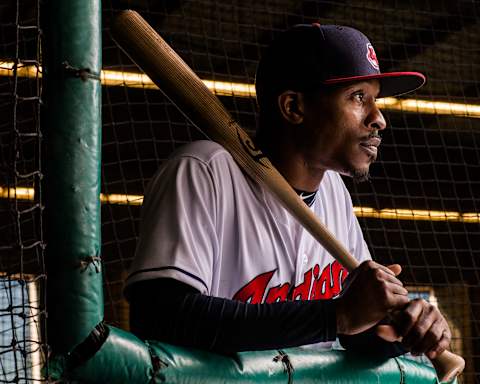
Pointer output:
x,y
209,225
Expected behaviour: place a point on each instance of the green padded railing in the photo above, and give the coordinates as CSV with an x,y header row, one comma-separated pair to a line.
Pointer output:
x,y
123,358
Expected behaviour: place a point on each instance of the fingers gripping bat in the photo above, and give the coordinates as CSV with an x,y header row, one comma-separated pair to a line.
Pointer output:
x,y
187,91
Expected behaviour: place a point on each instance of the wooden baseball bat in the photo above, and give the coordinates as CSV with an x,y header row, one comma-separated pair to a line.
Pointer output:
x,y
187,91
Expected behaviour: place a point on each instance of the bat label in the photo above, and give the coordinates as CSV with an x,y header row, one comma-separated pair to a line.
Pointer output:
x,y
248,145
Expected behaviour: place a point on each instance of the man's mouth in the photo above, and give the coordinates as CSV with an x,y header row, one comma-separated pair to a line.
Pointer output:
x,y
370,145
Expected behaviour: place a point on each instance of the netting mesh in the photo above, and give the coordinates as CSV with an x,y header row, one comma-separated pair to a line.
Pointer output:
x,y
22,268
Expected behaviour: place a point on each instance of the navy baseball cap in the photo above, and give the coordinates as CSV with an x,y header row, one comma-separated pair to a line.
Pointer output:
x,y
311,55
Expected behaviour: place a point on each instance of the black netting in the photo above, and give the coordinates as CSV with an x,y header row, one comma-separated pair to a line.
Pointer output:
x,y
22,268
429,162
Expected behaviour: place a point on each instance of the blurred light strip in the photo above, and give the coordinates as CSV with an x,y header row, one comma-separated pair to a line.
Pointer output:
x,y
30,71
221,88
430,107
133,80
18,193
416,214
140,80
121,199
28,194
387,213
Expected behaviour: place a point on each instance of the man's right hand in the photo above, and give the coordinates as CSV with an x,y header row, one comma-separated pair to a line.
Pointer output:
x,y
371,292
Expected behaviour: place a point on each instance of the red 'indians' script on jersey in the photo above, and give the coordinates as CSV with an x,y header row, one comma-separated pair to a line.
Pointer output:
x,y
315,286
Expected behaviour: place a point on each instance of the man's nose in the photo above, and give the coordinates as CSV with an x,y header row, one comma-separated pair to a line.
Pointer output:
x,y
376,119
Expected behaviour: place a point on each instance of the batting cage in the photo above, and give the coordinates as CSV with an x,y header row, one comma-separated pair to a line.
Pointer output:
x,y
23,340
83,130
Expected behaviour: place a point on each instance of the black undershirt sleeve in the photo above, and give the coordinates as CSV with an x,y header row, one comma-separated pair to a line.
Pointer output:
x,y
368,343
174,312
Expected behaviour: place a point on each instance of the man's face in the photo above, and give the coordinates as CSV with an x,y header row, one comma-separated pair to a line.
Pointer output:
x,y
342,129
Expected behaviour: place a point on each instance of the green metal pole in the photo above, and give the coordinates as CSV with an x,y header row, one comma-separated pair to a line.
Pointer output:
x,y
72,64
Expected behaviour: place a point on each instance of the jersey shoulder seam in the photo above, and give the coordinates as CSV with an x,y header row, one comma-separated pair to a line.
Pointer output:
x,y
206,160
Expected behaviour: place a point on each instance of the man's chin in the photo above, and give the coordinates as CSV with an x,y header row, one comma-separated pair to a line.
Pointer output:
x,y
358,172
360,175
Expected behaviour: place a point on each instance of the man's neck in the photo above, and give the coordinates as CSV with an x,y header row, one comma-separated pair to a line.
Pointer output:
x,y
294,167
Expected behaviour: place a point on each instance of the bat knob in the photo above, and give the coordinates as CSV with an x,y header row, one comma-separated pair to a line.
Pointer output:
x,y
447,365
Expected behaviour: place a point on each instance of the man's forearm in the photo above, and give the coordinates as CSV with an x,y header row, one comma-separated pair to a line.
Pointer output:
x,y
174,312
171,311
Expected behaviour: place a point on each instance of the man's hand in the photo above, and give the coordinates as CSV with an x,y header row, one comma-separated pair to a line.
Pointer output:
x,y
371,292
423,328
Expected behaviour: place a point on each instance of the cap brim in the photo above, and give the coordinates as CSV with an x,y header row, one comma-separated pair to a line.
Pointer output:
x,y
391,83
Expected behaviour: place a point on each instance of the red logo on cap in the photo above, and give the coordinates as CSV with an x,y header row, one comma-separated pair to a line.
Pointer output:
x,y
372,56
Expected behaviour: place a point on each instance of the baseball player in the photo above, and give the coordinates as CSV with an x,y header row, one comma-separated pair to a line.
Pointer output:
x,y
221,265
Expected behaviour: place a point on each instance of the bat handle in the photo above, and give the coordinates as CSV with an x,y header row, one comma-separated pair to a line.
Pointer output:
x,y
447,365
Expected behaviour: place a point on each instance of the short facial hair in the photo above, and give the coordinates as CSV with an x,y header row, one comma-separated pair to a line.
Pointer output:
x,y
360,176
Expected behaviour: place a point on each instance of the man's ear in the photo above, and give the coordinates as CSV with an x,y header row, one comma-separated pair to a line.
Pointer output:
x,y
291,105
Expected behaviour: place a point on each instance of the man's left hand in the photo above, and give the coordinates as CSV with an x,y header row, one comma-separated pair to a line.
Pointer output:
x,y
423,328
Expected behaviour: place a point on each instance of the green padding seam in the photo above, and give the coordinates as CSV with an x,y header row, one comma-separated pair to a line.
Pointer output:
x,y
126,359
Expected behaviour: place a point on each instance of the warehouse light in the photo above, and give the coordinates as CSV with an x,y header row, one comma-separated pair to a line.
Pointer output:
x,y
134,80
222,88
121,199
140,80
28,194
386,213
430,107
7,68
126,79
18,193
416,214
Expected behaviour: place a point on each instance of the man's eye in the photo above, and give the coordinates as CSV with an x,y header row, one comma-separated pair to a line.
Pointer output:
x,y
359,97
